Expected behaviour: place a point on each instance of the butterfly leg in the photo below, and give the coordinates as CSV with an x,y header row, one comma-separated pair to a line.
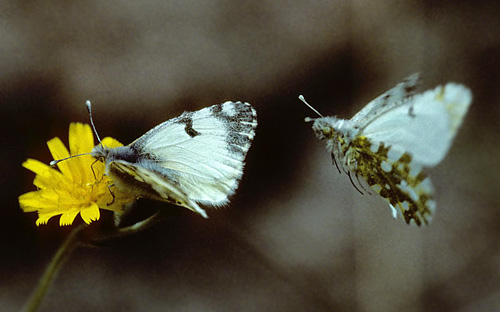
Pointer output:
x,y
92,167
352,182
112,194
361,184
335,162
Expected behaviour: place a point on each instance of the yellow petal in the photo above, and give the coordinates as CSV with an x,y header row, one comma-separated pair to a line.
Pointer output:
x,y
90,213
81,141
41,200
59,151
46,176
30,201
99,169
43,219
68,217
111,142
40,168
81,168
54,180
44,216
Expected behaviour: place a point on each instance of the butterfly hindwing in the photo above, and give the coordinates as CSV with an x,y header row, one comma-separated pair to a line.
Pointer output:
x,y
148,183
396,178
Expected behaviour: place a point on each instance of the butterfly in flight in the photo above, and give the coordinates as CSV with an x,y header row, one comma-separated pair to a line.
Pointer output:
x,y
195,158
392,139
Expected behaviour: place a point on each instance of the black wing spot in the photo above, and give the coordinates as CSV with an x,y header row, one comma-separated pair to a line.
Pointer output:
x,y
409,89
187,119
411,113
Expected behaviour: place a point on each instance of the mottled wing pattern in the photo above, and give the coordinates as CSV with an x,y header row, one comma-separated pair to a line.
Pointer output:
x,y
205,150
396,178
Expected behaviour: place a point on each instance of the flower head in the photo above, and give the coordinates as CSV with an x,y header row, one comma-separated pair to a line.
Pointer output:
x,y
78,187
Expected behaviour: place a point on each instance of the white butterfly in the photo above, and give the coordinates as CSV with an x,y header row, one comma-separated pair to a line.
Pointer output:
x,y
197,157
392,138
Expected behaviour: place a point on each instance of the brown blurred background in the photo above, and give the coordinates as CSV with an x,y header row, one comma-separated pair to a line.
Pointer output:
x,y
296,236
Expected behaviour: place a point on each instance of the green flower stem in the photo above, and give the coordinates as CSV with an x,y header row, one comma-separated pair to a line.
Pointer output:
x,y
50,272
70,244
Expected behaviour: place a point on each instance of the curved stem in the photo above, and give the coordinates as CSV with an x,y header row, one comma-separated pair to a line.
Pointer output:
x,y
50,272
69,245
134,228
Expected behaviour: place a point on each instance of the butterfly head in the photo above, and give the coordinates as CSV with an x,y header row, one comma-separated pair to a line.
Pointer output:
x,y
323,128
334,129
100,152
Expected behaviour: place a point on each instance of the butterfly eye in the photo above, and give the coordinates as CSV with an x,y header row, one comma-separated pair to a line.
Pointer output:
x,y
327,131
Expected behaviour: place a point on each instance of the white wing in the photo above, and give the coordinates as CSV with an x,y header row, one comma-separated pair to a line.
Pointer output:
x,y
204,149
424,126
387,101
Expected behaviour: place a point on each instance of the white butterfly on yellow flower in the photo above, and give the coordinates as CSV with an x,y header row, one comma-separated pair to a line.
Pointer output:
x,y
197,157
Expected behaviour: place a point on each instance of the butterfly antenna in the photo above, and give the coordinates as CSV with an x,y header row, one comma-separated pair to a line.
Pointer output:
x,y
89,108
55,162
307,119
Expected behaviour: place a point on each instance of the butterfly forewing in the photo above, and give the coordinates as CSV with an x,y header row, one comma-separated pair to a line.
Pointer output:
x,y
425,126
206,149
393,98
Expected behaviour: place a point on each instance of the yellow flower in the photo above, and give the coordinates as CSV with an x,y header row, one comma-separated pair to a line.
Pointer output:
x,y
78,188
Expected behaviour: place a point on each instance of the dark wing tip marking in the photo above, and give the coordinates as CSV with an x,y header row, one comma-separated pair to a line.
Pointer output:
x,y
411,84
240,120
